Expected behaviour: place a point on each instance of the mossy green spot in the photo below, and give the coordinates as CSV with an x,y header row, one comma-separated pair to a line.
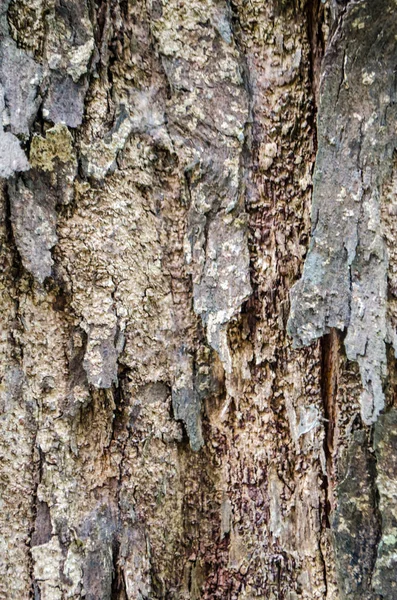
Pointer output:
x,y
58,144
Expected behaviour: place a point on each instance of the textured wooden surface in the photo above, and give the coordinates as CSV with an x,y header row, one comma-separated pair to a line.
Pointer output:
x,y
161,436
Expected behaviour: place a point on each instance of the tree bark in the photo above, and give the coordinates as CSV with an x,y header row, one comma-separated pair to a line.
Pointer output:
x,y
199,299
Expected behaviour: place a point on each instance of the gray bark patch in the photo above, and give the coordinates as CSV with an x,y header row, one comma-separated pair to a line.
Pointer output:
x,y
33,217
34,198
98,532
344,281
43,527
65,100
186,401
12,157
20,77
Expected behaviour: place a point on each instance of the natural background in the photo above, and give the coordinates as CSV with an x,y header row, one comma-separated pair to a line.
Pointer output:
x,y
198,299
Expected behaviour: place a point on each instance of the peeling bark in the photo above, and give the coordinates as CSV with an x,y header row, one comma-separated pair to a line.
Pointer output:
x,y
344,282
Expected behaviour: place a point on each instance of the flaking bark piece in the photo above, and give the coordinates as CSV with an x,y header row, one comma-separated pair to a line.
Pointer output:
x,y
344,280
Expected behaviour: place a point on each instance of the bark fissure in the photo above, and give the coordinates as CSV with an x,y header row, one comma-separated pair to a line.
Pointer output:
x,y
330,360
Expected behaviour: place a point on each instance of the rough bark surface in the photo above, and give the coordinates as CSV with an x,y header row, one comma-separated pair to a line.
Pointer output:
x,y
192,193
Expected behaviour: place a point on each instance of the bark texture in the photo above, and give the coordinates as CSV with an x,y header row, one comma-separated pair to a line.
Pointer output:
x,y
198,299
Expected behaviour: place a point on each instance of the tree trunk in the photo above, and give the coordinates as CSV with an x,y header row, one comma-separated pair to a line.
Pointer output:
x,y
199,299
